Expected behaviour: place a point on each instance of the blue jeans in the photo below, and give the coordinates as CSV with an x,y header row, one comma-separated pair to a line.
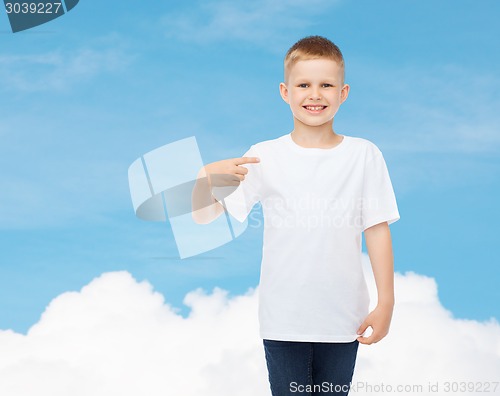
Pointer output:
x,y
310,368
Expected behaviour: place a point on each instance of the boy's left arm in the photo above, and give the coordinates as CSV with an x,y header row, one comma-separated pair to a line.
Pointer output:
x,y
379,245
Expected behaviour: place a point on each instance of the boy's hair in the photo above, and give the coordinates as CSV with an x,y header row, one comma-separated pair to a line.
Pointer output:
x,y
312,47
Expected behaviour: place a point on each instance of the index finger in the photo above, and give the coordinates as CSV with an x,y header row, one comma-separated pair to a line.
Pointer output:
x,y
246,160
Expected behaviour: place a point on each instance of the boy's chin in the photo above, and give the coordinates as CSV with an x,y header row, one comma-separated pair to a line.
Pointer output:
x,y
311,123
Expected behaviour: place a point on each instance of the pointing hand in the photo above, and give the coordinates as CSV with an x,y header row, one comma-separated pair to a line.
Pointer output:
x,y
229,172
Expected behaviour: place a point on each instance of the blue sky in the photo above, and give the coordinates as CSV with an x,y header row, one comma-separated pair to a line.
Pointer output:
x,y
86,94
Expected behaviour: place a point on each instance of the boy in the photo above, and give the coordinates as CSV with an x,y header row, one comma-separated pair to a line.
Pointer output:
x,y
319,192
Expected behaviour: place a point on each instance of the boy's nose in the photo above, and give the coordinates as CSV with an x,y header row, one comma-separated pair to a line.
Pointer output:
x,y
314,95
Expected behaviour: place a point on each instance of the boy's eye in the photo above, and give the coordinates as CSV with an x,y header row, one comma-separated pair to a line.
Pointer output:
x,y
304,85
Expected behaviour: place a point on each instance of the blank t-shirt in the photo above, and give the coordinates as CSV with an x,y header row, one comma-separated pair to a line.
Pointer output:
x,y
316,203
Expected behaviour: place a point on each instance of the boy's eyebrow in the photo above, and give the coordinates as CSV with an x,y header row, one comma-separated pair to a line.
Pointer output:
x,y
305,80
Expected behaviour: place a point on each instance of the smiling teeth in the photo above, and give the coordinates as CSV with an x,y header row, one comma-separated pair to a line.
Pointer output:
x,y
315,108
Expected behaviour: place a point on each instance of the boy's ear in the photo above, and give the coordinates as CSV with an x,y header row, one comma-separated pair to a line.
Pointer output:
x,y
344,93
284,93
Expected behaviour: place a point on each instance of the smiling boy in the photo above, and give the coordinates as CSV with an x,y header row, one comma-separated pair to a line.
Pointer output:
x,y
319,192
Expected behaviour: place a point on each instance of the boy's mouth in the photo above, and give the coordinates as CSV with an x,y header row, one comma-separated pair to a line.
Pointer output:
x,y
315,108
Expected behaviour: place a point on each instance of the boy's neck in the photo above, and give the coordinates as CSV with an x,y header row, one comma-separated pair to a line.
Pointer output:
x,y
322,136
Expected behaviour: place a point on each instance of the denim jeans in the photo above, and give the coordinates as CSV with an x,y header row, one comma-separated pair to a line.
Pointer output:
x,y
310,368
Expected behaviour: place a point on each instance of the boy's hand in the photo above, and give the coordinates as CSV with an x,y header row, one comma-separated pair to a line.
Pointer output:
x,y
228,172
205,206
379,320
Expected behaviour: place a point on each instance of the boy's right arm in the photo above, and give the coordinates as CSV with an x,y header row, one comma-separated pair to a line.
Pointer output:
x,y
225,173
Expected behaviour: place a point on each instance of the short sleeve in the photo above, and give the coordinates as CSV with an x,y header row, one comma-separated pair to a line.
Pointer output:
x,y
240,202
378,201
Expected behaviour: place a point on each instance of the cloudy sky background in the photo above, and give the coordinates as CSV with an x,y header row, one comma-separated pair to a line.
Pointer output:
x,y
85,95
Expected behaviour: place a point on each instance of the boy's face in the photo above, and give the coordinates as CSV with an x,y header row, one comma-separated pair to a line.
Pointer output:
x,y
315,91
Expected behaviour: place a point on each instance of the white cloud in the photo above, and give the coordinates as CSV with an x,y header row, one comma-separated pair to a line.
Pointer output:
x,y
58,70
119,337
264,22
431,108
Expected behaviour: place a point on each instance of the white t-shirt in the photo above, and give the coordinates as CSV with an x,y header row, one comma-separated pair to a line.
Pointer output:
x,y
315,203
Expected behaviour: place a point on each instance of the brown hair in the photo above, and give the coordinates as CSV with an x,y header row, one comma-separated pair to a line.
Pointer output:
x,y
312,47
